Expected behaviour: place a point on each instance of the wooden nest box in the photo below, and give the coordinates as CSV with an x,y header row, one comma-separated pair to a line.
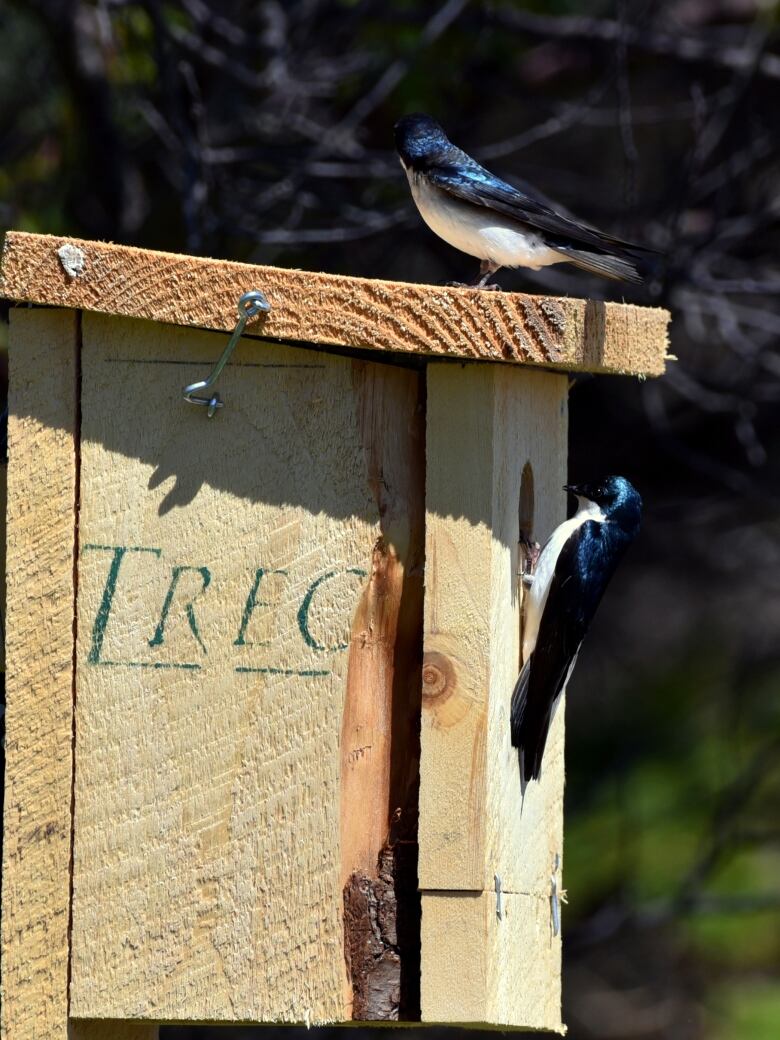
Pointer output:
x,y
259,665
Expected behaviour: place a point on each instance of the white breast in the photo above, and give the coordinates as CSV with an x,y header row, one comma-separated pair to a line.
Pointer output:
x,y
536,597
479,231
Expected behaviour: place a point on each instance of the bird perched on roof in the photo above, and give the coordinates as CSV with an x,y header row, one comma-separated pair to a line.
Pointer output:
x,y
571,574
502,226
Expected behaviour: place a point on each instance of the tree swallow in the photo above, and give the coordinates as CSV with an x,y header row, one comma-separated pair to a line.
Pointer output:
x,y
572,572
502,226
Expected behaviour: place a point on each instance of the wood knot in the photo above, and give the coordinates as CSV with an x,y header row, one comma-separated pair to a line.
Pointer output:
x,y
450,690
438,676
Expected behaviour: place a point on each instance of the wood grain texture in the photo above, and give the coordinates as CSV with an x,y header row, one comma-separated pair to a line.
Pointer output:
x,y
484,427
39,691
222,564
328,309
489,971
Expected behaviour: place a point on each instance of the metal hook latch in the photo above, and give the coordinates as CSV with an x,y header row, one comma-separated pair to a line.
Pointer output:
x,y
250,304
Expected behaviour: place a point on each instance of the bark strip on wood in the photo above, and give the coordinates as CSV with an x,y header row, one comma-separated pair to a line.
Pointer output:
x,y
382,942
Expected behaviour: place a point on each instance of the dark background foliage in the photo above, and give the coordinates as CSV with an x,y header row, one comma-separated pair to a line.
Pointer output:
x,y
262,131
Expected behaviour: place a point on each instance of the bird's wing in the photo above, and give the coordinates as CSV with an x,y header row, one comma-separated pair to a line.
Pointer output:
x,y
583,569
465,179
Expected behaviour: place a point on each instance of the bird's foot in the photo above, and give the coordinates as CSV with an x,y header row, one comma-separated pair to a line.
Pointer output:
x,y
492,287
529,552
486,271
472,285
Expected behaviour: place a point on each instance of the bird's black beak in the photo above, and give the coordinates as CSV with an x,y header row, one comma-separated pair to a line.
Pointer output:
x,y
573,489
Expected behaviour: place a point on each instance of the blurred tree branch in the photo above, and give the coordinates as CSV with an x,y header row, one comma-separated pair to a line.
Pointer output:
x,y
713,46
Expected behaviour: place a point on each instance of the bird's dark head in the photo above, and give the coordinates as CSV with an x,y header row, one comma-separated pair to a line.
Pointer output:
x,y
419,140
615,496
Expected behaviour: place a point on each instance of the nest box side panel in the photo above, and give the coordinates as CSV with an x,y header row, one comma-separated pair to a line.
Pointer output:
x,y
222,565
39,715
485,427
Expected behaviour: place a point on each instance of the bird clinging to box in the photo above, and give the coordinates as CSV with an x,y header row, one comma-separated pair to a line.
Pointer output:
x,y
571,574
502,226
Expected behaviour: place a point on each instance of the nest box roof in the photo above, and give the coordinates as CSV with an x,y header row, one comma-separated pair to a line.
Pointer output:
x,y
335,310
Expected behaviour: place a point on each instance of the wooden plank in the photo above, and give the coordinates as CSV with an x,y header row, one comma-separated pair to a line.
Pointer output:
x,y
486,967
458,545
484,428
329,309
222,567
39,691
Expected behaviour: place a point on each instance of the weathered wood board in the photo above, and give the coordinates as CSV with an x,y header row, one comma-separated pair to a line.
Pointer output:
x,y
484,428
39,690
221,568
326,309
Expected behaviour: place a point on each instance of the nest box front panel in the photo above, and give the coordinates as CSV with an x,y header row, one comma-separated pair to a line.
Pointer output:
x,y
221,566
